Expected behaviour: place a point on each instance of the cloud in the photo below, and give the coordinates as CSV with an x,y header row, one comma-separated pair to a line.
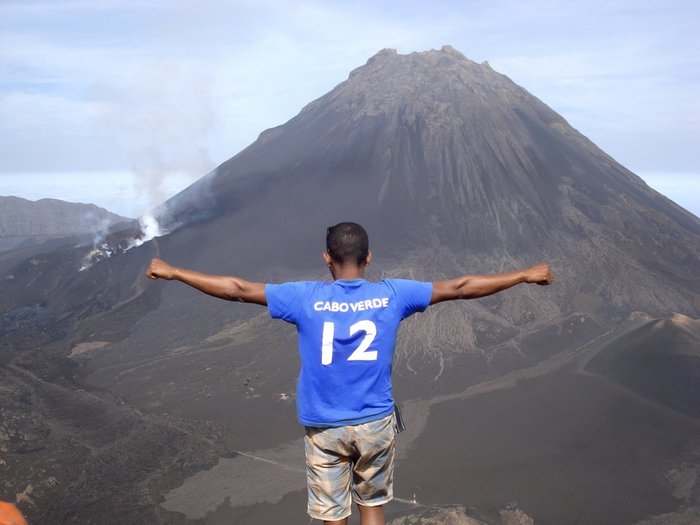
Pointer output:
x,y
113,191
112,85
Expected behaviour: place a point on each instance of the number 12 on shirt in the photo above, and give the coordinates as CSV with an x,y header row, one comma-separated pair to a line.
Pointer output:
x,y
361,353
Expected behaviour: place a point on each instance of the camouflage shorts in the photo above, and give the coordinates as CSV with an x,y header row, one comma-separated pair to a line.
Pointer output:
x,y
355,462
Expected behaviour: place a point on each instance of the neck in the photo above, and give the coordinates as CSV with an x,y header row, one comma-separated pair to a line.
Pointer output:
x,y
347,271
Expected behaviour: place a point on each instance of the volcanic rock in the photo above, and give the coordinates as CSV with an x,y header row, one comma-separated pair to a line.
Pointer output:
x,y
540,396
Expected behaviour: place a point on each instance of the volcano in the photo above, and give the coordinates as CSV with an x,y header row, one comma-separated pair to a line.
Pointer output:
x,y
541,404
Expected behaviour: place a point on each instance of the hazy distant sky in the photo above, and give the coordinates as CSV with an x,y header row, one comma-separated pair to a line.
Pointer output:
x,y
125,102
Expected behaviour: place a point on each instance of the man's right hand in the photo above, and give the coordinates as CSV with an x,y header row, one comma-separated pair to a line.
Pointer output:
x,y
159,269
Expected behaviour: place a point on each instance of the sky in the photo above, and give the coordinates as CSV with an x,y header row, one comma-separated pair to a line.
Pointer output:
x,y
123,103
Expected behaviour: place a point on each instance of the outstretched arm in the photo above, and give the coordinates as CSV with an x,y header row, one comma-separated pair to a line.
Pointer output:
x,y
221,286
474,286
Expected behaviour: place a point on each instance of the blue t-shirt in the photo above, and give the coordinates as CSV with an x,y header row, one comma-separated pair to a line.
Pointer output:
x,y
347,336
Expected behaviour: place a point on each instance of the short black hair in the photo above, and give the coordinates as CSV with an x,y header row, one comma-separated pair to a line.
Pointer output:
x,y
347,242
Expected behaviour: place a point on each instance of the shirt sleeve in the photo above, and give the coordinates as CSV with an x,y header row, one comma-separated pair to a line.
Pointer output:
x,y
283,300
413,296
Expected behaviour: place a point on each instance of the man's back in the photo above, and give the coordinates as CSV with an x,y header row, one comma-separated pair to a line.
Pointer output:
x,y
347,336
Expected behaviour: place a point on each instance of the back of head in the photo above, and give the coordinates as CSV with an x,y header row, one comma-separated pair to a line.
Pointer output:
x,y
347,243
10,515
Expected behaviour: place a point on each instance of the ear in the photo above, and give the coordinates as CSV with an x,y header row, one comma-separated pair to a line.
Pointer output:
x,y
368,259
327,259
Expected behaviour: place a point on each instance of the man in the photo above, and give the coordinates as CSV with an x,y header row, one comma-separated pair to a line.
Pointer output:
x,y
347,335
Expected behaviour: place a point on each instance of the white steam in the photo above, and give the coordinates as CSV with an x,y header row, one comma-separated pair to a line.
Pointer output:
x,y
150,229
98,253
102,248
168,142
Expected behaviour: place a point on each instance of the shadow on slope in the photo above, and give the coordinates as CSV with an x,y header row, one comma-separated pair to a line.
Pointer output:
x,y
660,361
568,446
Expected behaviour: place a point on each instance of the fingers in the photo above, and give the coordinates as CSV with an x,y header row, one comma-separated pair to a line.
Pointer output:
x,y
153,268
546,274
541,274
